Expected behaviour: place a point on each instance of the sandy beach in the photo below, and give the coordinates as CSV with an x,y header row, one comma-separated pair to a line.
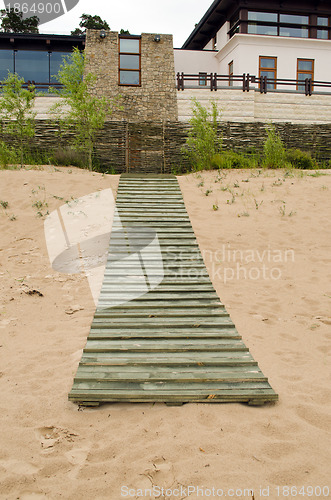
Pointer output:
x,y
266,238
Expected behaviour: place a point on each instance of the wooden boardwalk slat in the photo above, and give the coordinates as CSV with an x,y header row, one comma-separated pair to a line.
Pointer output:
x,y
160,332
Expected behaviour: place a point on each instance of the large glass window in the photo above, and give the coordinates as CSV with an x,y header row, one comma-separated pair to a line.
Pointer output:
x,y
263,16
305,69
260,29
6,63
280,24
300,32
32,65
129,61
293,19
56,59
268,68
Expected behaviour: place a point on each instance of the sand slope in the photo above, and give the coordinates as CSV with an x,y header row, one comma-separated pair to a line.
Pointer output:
x,y
50,448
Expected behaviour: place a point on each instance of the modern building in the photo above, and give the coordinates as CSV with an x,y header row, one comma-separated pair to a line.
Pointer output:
x,y
263,60
274,38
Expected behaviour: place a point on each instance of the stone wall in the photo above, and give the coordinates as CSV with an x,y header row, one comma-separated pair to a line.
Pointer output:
x,y
278,107
156,99
156,147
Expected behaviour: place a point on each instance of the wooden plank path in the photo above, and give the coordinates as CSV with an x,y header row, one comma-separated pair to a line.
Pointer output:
x,y
160,332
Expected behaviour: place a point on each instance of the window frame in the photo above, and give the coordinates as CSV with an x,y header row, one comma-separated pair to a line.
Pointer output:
x,y
305,71
128,37
274,70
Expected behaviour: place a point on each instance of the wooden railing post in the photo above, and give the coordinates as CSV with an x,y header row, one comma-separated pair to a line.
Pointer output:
x,y
308,86
244,82
247,82
180,81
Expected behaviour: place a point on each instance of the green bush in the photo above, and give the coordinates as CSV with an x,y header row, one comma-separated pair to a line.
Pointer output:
x,y
273,149
231,159
301,159
203,141
8,155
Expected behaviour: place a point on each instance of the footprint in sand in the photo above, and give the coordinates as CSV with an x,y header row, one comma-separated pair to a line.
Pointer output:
x,y
50,437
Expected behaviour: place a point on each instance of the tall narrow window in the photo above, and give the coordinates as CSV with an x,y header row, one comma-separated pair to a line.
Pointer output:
x,y
268,68
305,69
231,74
129,61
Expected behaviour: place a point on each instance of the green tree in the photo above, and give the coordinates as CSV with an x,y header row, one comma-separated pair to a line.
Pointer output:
x,y
79,107
13,22
90,22
16,110
203,141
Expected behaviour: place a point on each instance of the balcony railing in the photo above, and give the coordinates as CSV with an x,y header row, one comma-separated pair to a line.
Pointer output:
x,y
248,82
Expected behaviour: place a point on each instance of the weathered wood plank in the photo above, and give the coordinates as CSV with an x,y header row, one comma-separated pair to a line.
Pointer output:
x,y
174,343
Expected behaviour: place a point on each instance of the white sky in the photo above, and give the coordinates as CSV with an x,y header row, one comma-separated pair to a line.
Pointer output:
x,y
176,17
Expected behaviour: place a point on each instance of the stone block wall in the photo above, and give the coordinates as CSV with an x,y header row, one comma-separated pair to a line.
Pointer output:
x,y
156,98
278,107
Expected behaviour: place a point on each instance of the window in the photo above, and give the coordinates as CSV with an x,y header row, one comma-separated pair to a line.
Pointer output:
x,y
56,59
280,24
300,32
271,17
231,74
268,68
129,61
260,29
202,79
6,63
32,65
305,69
293,19
323,33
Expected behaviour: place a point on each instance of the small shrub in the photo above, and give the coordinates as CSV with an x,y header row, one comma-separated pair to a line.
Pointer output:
x,y
231,159
301,159
7,155
68,156
203,141
273,148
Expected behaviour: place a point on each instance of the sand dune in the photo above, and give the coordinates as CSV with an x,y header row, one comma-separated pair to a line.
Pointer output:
x,y
266,240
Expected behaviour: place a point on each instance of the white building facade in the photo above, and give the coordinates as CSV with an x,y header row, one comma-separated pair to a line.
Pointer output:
x,y
282,48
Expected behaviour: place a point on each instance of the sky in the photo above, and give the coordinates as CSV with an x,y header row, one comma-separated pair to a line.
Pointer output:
x,y
176,17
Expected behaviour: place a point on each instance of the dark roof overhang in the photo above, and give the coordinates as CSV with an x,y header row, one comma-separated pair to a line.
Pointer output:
x,y
41,41
221,11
